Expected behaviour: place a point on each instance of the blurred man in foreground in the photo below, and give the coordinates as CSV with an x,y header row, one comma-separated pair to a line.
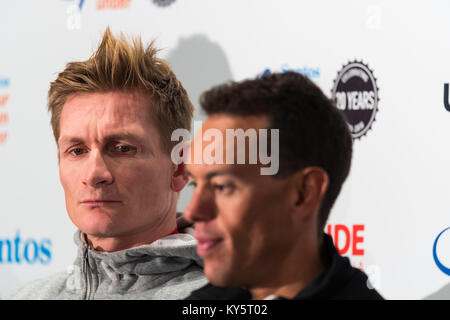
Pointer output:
x,y
259,222
112,117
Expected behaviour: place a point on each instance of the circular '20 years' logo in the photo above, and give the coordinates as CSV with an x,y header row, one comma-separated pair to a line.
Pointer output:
x,y
355,92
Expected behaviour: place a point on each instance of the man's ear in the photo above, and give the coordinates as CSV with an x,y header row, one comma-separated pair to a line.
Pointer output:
x,y
312,184
179,178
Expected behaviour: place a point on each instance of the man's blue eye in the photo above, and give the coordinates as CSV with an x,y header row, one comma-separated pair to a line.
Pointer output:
x,y
192,184
125,149
76,151
223,187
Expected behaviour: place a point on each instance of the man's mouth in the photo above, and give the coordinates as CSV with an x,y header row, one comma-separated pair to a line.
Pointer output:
x,y
99,202
206,246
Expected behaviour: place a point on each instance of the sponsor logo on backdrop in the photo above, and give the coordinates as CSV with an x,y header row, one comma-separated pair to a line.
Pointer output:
x,y
3,99
80,3
4,115
113,4
163,3
349,241
4,82
18,250
73,21
306,71
355,92
440,265
104,4
446,102
73,11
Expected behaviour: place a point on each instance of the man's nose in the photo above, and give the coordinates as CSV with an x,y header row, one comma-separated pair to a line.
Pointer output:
x,y
97,172
202,206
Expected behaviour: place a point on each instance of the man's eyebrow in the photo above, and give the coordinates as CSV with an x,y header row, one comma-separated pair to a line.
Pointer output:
x,y
111,137
68,139
221,172
122,136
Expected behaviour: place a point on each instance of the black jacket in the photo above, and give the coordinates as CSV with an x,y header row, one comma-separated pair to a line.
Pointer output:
x,y
339,281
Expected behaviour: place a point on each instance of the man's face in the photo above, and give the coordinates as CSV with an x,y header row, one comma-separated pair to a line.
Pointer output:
x,y
241,217
115,175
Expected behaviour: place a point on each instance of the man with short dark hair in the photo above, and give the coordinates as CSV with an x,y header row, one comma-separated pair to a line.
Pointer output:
x,y
261,235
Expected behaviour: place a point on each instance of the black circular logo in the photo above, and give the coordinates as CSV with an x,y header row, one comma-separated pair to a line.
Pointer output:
x,y
355,92
163,3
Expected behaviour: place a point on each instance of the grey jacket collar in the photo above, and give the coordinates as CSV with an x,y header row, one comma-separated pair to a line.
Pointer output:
x,y
168,268
168,254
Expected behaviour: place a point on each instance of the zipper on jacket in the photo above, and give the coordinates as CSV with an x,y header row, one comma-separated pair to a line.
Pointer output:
x,y
87,271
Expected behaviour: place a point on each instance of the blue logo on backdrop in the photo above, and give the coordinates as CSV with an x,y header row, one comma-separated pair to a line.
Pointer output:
x,y
4,82
30,251
306,71
441,267
80,4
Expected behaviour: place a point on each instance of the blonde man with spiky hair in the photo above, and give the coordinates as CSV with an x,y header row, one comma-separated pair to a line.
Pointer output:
x,y
112,116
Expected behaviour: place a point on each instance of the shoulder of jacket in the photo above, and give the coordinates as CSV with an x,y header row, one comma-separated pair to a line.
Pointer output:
x,y
43,288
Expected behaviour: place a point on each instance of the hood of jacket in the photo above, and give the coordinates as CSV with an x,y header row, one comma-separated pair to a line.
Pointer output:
x,y
169,254
168,268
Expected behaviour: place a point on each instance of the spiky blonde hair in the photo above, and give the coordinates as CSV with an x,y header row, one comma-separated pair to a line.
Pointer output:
x,y
120,65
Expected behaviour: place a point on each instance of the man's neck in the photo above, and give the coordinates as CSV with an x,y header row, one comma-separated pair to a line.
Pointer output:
x,y
134,238
293,275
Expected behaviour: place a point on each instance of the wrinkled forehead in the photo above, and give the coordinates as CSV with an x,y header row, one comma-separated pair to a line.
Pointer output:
x,y
100,114
118,106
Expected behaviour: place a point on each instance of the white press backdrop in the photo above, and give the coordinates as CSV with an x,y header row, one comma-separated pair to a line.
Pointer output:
x,y
395,201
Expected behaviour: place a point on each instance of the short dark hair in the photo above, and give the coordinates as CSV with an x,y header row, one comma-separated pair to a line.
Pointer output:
x,y
312,131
